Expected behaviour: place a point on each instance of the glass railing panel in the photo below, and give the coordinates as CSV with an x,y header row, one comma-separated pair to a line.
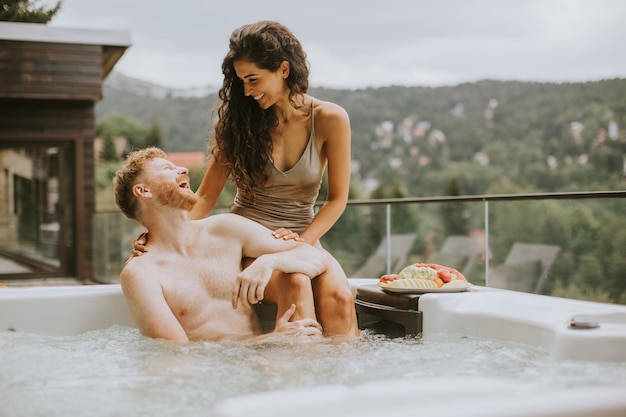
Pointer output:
x,y
567,247
356,238
447,233
113,244
573,248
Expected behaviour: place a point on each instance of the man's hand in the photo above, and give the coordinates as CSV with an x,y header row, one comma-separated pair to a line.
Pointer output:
x,y
304,327
251,282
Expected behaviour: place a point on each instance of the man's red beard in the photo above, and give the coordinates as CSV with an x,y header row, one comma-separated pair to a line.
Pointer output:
x,y
171,195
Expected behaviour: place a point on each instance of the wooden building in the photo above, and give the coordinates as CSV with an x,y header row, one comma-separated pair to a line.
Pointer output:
x,y
50,80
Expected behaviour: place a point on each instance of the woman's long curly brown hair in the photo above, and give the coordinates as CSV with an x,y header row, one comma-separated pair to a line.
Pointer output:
x,y
242,132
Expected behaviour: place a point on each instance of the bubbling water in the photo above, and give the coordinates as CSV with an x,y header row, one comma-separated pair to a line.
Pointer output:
x,y
118,372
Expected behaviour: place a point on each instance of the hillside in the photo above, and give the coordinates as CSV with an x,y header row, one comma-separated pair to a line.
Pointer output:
x,y
534,136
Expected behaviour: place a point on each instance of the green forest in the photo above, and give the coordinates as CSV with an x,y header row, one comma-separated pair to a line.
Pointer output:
x,y
487,137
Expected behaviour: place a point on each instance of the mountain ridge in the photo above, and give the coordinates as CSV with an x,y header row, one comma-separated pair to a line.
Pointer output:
x,y
538,135
120,81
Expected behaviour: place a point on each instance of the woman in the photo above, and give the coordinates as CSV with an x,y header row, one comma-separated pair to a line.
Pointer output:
x,y
275,141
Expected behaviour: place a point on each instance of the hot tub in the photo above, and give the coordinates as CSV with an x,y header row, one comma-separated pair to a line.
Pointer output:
x,y
568,329
577,336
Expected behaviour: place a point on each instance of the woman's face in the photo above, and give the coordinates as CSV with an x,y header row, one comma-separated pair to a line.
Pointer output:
x,y
264,86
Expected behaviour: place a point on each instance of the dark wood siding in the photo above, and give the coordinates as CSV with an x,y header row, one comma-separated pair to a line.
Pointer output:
x,y
40,70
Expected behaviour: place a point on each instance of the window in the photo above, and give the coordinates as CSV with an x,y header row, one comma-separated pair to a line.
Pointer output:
x,y
35,209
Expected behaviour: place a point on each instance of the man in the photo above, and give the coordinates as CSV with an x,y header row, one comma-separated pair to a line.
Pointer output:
x,y
189,285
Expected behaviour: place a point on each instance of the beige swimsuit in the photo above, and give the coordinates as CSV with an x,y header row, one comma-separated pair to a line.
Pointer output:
x,y
288,197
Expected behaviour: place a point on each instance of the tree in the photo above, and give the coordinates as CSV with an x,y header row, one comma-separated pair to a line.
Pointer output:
x,y
347,239
403,215
26,11
108,152
378,215
616,266
154,137
117,125
453,214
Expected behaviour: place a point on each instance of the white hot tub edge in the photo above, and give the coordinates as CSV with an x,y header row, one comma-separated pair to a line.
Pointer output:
x,y
529,319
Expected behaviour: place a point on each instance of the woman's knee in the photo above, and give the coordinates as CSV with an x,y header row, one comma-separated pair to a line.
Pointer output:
x,y
295,288
343,296
297,282
335,298
288,288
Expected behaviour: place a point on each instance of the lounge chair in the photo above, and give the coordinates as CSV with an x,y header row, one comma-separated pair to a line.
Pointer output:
x,y
526,268
376,265
460,252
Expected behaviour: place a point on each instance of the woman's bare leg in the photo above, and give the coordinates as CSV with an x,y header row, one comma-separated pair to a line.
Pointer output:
x,y
334,302
283,290
287,289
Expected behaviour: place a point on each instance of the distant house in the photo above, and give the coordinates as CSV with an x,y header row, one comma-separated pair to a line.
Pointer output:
x,y
50,80
188,159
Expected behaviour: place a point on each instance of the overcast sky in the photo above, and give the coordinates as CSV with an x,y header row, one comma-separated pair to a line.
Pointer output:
x,y
361,43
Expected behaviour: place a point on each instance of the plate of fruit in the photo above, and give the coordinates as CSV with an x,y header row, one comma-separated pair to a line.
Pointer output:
x,y
422,278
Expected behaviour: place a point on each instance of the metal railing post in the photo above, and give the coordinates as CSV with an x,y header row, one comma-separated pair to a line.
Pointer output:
x,y
486,243
388,233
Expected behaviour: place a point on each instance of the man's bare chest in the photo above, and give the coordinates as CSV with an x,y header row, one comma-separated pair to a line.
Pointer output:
x,y
188,282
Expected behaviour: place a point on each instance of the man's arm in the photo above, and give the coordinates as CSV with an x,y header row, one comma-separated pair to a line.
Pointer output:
x,y
303,258
271,255
146,302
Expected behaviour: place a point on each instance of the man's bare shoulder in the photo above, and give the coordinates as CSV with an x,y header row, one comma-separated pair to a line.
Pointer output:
x,y
138,268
